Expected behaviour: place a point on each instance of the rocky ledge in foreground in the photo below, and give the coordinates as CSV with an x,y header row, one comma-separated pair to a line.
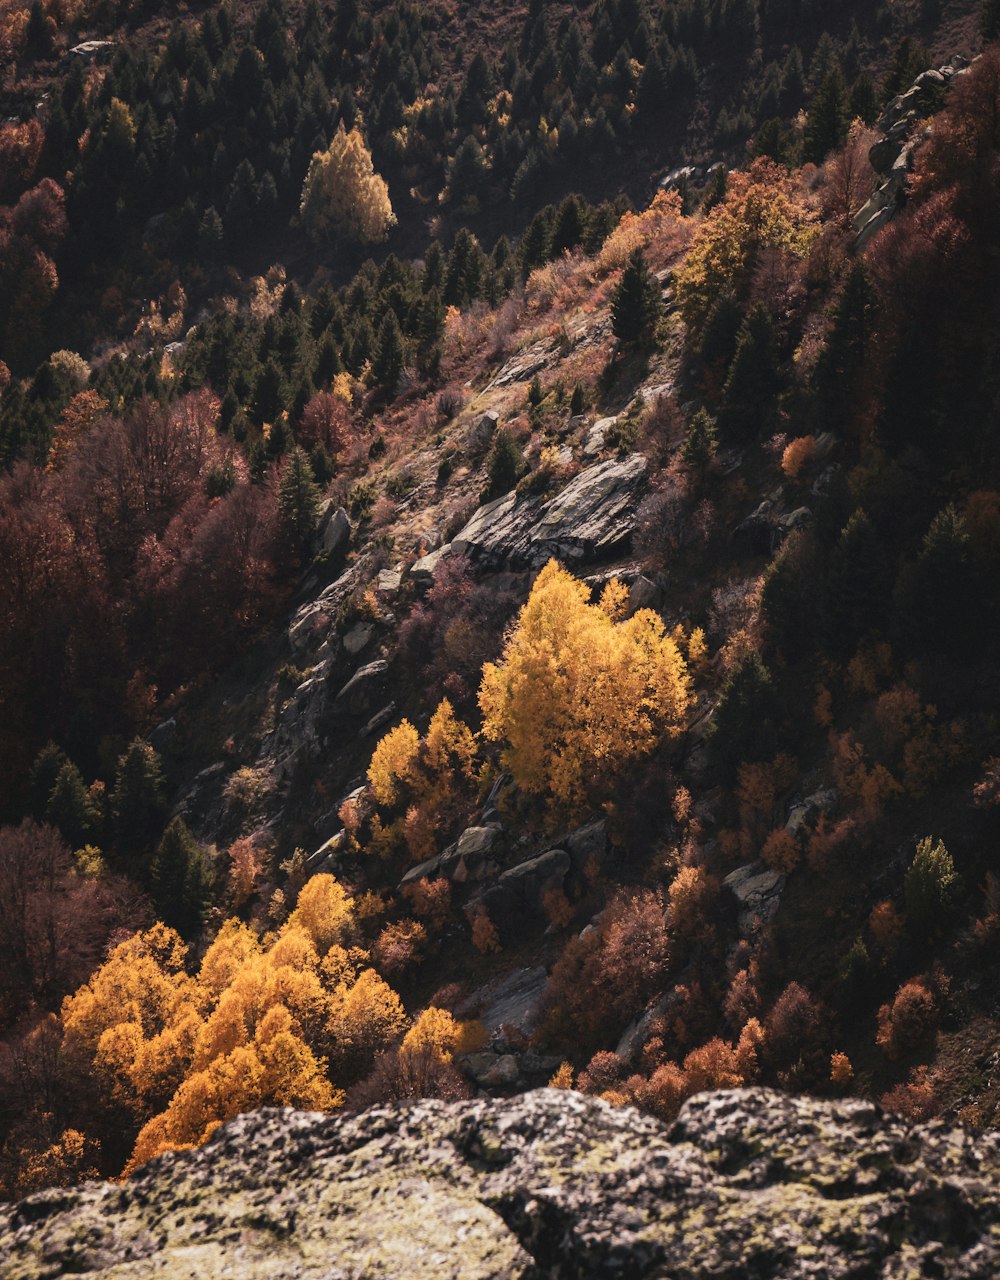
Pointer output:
x,y
746,1184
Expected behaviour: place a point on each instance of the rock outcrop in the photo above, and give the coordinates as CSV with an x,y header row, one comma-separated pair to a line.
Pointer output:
x,y
903,133
591,519
547,1184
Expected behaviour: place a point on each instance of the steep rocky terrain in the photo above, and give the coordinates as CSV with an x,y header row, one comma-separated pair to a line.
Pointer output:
x,y
746,1183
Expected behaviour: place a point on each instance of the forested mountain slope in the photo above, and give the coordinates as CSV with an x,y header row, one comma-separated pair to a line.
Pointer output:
x,y
556,647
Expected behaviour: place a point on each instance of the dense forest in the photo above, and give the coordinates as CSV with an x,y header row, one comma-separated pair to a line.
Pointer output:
x,y
489,492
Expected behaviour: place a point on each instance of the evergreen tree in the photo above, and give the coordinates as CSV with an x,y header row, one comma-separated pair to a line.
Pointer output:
x,y
570,226
44,772
635,303
468,172
857,584
70,808
743,728
138,806
269,393
989,19
387,366
578,401
753,377
298,505
38,36
941,597
931,887
829,118
181,879
211,235
504,466
864,100
839,366
700,444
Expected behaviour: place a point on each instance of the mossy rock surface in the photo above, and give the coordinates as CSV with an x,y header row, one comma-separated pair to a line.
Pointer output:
x,y
748,1183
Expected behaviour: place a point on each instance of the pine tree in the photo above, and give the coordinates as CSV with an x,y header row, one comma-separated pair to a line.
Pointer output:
x,y
700,444
841,361
504,466
857,584
753,375
743,729
989,19
635,304
211,235
387,366
181,879
44,772
70,807
138,805
298,505
941,597
829,118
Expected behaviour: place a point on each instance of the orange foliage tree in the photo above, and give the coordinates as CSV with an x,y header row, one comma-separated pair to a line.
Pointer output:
x,y
577,697
180,1053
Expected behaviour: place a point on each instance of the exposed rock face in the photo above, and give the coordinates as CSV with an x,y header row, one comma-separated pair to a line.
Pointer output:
x,y
548,1184
591,519
893,156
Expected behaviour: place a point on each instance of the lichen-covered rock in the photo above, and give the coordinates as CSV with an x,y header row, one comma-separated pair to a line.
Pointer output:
x,y
551,1184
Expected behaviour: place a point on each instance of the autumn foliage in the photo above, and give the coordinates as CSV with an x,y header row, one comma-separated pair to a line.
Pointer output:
x,y
577,696
179,1052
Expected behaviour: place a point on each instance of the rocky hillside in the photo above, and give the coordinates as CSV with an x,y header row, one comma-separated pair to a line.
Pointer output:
x,y
746,1183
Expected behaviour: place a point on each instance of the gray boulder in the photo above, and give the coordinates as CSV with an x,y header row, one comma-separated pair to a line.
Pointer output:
x,y
757,890
359,696
519,892
334,529
471,859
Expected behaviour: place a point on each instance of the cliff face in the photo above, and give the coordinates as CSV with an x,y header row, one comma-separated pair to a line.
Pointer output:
x,y
747,1183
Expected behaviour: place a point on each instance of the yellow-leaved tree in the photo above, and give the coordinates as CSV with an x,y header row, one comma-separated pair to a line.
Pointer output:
x,y
578,695
286,1021
422,780
764,209
343,193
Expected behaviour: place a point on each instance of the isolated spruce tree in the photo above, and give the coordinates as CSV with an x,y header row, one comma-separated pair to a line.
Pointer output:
x,y
635,304
298,505
181,879
387,366
578,400
505,465
700,444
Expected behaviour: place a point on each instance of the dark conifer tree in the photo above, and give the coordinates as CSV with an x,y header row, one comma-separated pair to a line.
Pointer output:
x,y
635,303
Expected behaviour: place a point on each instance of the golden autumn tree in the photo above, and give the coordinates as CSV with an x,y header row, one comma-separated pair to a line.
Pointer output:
x,y
763,209
423,779
577,696
280,1021
343,193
